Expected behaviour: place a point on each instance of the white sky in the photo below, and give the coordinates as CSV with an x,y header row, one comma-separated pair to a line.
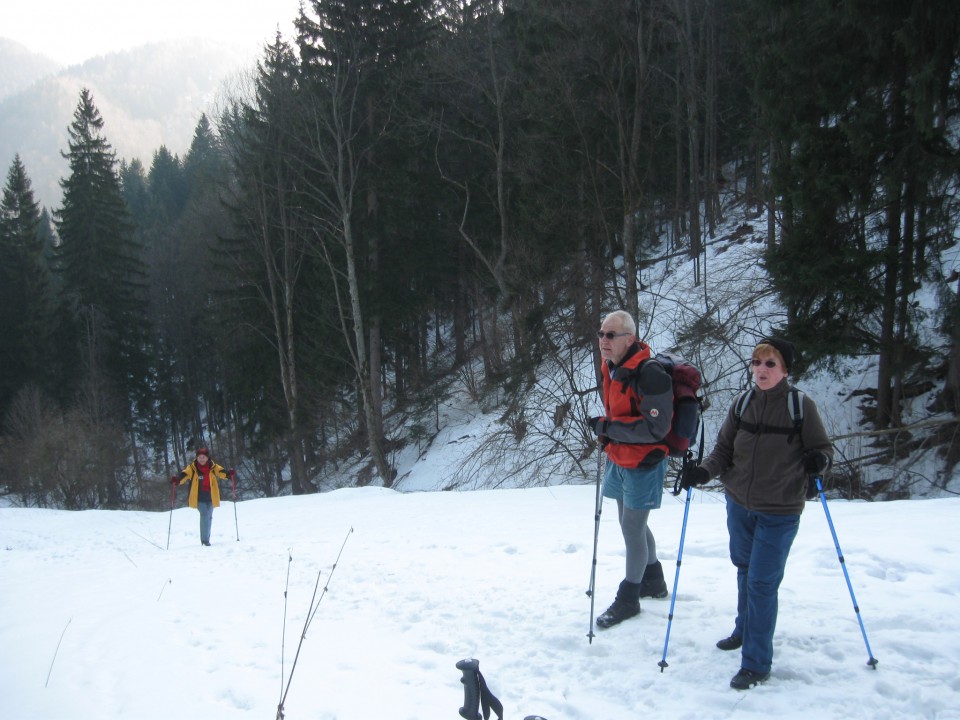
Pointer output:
x,y
71,31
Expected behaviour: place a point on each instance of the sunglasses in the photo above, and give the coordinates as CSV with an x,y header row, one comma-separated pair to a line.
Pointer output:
x,y
756,362
610,335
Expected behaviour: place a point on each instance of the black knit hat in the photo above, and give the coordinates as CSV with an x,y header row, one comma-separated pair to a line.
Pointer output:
x,y
784,347
203,451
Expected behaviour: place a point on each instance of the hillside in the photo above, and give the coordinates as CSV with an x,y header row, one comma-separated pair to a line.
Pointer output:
x,y
540,437
21,67
148,97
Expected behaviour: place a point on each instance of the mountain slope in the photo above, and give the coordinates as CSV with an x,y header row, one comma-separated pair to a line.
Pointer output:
x,y
21,67
148,97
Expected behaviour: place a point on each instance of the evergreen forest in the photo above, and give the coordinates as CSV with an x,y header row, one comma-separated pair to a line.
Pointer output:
x,y
409,191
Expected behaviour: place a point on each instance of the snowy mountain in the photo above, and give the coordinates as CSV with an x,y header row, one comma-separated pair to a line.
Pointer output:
x,y
148,97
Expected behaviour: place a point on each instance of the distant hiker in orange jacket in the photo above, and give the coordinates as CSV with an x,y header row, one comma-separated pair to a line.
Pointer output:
x,y
203,475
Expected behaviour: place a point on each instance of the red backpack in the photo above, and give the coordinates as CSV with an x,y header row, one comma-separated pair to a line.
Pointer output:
x,y
688,402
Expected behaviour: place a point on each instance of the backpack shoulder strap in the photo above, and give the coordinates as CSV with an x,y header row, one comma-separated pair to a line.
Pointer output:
x,y
741,404
795,406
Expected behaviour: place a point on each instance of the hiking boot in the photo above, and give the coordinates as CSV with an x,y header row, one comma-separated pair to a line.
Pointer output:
x,y
626,605
746,679
730,643
652,585
618,612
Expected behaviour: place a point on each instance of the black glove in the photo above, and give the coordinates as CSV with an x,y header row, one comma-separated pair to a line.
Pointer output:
x,y
598,425
815,462
812,491
693,475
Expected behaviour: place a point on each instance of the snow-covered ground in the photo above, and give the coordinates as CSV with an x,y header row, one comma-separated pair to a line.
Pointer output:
x,y
99,620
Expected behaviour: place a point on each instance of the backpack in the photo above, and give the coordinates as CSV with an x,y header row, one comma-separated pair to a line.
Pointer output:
x,y
688,402
794,406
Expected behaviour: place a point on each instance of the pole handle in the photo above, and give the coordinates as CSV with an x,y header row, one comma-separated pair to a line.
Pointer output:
x,y
470,668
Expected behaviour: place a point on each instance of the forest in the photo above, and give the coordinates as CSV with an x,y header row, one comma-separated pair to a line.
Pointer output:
x,y
413,190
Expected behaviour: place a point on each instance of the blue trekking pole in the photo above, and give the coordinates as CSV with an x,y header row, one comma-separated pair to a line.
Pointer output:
x,y
872,662
676,579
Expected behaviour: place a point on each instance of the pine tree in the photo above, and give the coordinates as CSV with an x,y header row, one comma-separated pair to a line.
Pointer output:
x,y
25,290
100,263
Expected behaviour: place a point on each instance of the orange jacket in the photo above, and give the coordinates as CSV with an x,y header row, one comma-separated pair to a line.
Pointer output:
x,y
639,408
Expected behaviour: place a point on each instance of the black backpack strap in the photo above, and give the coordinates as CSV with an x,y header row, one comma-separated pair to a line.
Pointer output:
x,y
795,406
488,700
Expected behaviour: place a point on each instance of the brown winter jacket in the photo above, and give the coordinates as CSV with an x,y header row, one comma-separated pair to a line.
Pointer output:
x,y
763,471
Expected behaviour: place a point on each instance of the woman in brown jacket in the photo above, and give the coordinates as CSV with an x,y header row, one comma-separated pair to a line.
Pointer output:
x,y
764,455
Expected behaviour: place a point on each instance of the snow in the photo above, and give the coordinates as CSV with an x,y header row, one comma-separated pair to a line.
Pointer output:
x,y
99,620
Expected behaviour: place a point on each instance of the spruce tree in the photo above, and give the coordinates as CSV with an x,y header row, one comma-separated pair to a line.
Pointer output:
x,y
25,290
100,262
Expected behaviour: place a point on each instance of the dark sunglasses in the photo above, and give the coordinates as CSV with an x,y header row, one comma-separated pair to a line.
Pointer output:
x,y
756,362
610,335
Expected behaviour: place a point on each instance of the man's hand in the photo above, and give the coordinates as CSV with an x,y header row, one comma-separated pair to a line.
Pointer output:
x,y
598,425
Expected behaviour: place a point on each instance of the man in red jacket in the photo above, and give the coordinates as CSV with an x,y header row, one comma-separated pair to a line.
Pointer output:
x,y
638,402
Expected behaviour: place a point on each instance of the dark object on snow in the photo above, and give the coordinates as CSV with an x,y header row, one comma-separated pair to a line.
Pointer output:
x,y
476,692
746,679
625,606
730,643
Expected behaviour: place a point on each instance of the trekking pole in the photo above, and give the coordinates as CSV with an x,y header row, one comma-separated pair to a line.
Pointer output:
x,y
233,483
676,579
596,536
872,662
173,496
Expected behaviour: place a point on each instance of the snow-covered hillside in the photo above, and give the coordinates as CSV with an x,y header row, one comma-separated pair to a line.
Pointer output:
x,y
471,445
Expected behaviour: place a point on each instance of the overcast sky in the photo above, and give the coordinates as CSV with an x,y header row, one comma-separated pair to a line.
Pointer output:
x,y
70,31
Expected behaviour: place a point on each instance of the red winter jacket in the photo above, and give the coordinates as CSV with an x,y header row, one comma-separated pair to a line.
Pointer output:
x,y
638,399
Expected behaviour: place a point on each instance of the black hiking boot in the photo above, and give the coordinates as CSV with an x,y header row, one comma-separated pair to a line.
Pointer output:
x,y
652,585
746,679
626,606
730,643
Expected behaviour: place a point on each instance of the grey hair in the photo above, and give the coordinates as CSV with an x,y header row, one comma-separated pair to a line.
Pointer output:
x,y
625,319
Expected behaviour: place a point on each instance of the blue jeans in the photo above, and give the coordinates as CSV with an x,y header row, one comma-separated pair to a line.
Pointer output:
x,y
759,545
206,520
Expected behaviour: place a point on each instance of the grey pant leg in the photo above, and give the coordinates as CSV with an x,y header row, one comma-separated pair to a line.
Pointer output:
x,y
638,540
